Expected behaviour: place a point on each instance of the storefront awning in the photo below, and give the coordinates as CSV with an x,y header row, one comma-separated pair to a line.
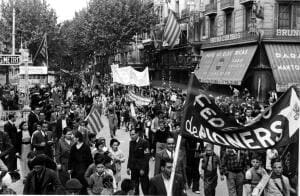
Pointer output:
x,y
285,64
225,66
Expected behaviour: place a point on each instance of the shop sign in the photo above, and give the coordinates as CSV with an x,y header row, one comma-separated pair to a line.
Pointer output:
x,y
288,32
227,37
34,70
10,59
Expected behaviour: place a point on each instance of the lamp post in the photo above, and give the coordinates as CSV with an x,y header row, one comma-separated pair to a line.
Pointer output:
x,y
25,60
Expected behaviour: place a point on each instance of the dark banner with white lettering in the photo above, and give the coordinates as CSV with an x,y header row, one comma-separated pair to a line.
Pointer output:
x,y
205,121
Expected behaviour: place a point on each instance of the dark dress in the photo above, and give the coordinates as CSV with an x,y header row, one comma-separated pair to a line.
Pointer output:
x,y
79,161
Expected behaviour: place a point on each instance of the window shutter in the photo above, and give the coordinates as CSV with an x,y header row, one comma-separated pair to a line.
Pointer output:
x,y
276,15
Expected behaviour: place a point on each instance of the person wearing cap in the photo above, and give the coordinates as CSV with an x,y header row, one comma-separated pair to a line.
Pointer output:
x,y
73,186
41,180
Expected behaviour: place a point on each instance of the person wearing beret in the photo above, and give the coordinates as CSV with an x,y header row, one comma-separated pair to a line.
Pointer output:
x,y
42,180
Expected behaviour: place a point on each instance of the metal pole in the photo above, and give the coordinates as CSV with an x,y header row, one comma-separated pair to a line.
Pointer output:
x,y
13,28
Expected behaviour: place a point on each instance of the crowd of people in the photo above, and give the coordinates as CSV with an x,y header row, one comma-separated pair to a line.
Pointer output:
x,y
60,155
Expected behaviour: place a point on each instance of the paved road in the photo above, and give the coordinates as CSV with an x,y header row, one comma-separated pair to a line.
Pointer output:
x,y
124,139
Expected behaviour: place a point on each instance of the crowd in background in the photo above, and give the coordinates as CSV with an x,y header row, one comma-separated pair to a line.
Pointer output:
x,y
61,155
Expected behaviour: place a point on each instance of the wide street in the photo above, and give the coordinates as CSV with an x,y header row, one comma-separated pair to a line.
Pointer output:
x,y
124,139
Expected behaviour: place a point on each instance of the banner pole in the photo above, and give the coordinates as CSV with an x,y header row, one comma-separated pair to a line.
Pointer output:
x,y
297,190
169,191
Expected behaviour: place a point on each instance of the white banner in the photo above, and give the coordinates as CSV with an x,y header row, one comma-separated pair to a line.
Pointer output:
x,y
34,70
129,76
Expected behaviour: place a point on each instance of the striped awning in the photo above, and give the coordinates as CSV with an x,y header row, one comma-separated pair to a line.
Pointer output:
x,y
225,66
285,64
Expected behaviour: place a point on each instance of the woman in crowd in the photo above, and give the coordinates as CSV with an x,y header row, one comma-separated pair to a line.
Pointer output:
x,y
79,160
25,148
118,158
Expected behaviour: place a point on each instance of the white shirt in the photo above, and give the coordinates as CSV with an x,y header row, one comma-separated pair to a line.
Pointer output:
x,y
167,182
63,123
170,154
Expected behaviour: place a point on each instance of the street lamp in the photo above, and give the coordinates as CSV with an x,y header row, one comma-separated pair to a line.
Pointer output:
x,y
25,60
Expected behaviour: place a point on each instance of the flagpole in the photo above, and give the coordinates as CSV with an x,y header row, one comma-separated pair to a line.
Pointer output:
x,y
190,90
169,191
46,50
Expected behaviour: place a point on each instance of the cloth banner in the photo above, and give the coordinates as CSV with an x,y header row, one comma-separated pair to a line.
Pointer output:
x,y
129,76
139,100
276,126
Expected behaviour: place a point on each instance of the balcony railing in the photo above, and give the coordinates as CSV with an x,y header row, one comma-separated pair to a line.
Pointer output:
x,y
246,1
227,4
211,9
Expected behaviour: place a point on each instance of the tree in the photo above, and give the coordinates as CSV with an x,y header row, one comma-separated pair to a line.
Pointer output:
x,y
34,18
113,23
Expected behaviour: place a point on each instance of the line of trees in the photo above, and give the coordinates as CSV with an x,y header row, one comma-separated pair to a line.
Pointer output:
x,y
104,26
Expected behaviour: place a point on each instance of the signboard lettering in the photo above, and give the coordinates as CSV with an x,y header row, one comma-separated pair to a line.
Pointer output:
x,y
10,60
288,32
223,38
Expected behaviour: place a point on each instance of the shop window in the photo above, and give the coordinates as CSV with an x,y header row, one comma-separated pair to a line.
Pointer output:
x,y
212,29
228,23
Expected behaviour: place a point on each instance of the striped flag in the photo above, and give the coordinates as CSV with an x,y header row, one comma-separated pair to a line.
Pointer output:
x,y
94,119
172,30
81,76
43,49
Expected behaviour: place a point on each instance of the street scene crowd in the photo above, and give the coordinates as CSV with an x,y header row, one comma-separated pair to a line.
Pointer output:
x,y
59,155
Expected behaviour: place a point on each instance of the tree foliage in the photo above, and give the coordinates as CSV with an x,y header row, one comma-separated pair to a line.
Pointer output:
x,y
105,27
33,19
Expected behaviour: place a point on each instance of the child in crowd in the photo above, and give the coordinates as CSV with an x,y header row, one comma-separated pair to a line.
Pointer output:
x,y
96,180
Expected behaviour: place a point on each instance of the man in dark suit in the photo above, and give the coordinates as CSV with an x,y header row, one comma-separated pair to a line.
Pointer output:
x,y
138,162
168,153
33,117
16,141
61,123
160,183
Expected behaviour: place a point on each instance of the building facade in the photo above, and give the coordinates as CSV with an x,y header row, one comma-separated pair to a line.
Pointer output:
x,y
251,44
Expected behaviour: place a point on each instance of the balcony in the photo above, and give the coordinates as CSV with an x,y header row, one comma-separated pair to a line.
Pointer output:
x,y
246,1
227,5
211,10
229,39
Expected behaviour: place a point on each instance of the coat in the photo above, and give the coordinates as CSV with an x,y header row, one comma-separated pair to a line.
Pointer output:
x,y
138,155
32,118
180,167
13,134
50,183
63,153
157,186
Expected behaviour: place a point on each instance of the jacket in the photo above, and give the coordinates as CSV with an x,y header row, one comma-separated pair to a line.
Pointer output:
x,y
50,183
157,186
138,157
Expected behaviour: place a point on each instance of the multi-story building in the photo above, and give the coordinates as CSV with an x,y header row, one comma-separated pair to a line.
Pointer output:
x,y
251,44
173,65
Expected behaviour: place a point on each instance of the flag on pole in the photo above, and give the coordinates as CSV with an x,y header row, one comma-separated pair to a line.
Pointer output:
x,y
172,30
81,76
42,50
94,119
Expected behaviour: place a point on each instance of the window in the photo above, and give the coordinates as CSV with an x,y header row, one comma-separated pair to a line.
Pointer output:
x,y
288,16
284,16
212,30
228,23
249,15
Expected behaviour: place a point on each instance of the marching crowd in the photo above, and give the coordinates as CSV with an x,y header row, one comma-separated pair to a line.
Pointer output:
x,y
60,155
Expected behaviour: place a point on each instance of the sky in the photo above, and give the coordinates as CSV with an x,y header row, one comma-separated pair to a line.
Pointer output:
x,y
65,9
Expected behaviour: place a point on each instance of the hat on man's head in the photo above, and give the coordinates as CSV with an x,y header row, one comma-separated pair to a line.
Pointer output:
x,y
73,184
38,160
